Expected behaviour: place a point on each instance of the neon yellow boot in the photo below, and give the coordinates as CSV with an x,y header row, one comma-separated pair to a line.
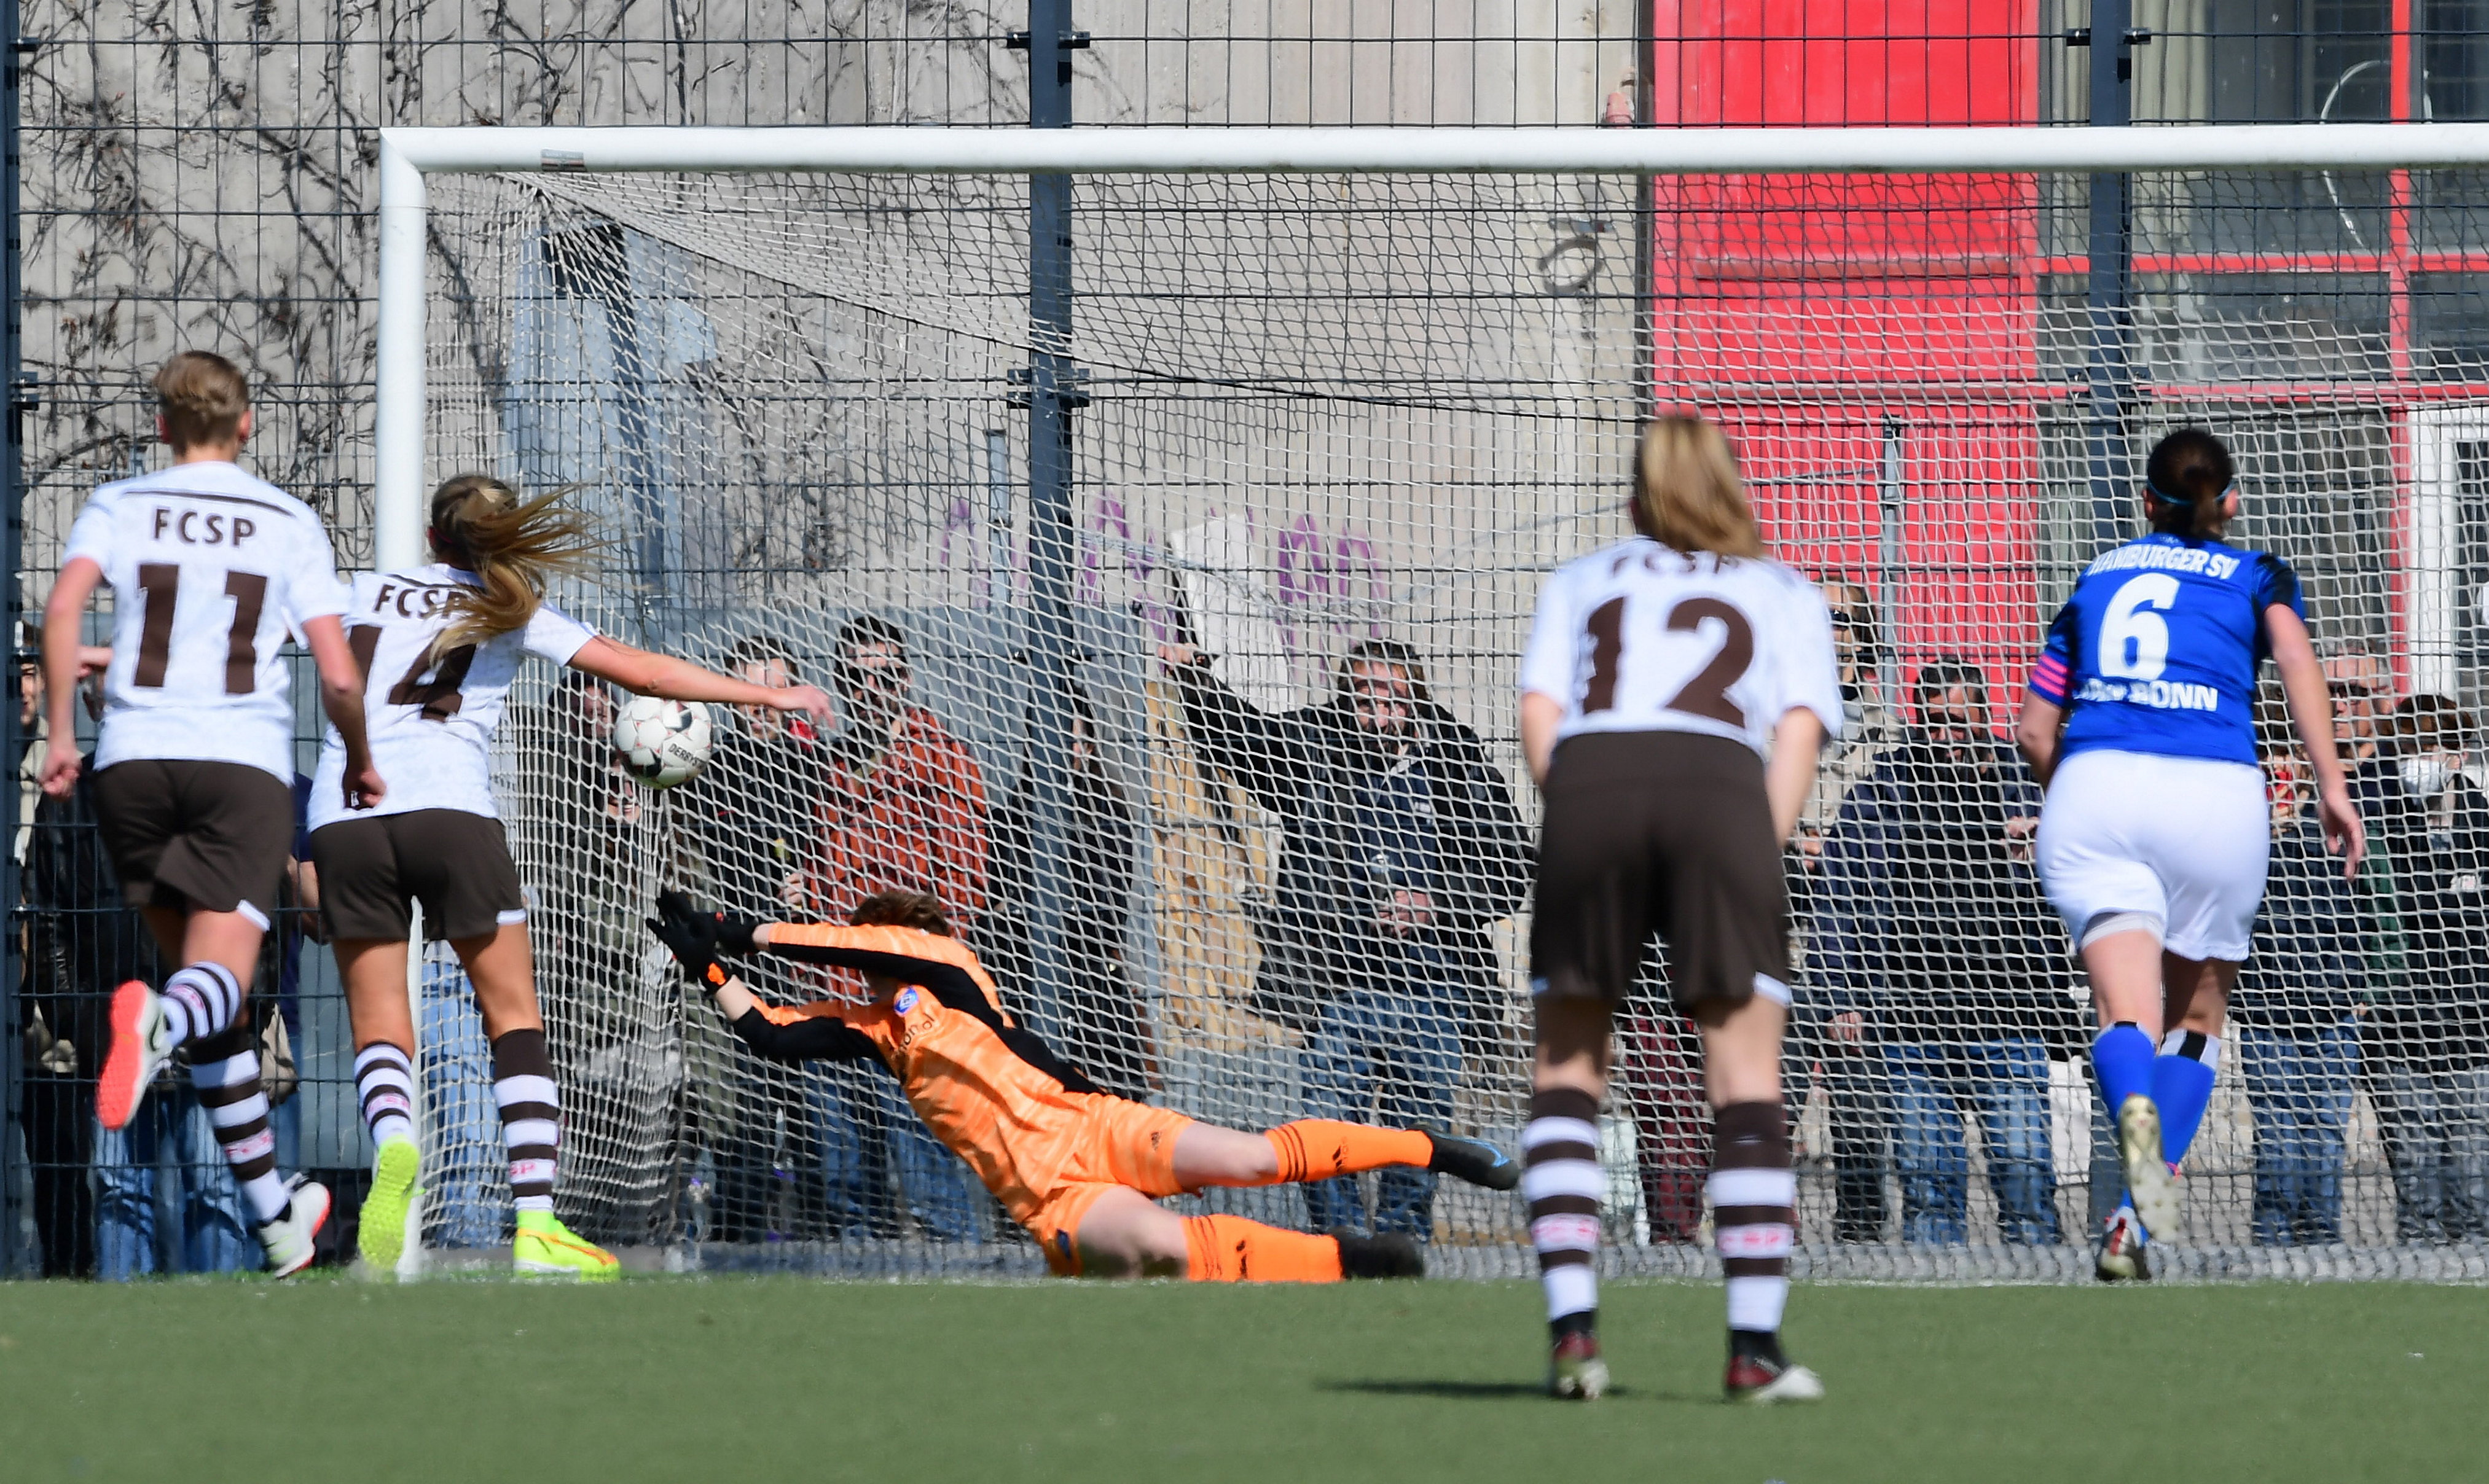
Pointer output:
x,y
547,1248
382,1234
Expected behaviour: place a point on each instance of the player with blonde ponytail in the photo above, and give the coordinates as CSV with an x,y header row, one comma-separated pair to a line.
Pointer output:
x,y
439,647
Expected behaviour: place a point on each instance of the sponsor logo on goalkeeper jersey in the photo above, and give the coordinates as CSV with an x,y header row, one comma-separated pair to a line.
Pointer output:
x,y
2165,695
906,1000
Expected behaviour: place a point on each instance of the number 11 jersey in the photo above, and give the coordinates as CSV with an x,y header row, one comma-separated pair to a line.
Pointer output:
x,y
2156,649
431,720
1637,636
211,570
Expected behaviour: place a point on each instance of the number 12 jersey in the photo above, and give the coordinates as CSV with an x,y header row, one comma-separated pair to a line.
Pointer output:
x,y
431,719
211,570
1637,636
2157,650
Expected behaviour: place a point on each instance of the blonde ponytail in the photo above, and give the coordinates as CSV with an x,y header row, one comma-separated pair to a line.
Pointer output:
x,y
513,546
1687,493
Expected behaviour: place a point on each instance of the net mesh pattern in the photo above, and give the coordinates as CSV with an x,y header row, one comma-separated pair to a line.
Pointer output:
x,y
1332,410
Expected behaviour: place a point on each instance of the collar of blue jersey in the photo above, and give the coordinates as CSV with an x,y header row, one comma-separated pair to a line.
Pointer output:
x,y
2167,499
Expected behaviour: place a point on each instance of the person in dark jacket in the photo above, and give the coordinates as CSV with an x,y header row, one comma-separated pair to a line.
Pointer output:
x,y
1106,1033
2297,1024
1931,931
1402,845
2421,888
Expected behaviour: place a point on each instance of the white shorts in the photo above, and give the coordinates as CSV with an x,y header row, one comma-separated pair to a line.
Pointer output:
x,y
2183,840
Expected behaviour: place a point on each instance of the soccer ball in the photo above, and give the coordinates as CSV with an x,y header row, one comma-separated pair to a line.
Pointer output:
x,y
662,742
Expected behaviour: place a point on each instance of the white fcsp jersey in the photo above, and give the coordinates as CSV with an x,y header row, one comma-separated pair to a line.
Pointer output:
x,y
431,721
1639,637
212,571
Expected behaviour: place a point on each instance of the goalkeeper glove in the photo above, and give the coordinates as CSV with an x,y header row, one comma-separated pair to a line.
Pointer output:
x,y
696,938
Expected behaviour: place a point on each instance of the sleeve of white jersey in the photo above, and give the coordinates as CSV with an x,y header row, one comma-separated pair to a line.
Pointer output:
x,y
91,534
312,587
1546,663
1810,669
555,635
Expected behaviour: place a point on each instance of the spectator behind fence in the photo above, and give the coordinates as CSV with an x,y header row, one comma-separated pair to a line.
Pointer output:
x,y
2422,892
2297,1026
904,809
1857,1103
752,810
1105,1031
1936,949
2362,687
80,942
1402,844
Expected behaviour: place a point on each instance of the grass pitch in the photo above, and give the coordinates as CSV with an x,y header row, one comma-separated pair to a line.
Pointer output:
x,y
736,1380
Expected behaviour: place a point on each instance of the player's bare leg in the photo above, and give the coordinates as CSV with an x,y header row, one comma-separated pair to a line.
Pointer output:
x,y
1754,1194
1125,1234
2131,992
1562,1183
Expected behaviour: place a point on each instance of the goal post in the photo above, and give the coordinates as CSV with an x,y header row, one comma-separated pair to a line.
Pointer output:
x,y
1342,397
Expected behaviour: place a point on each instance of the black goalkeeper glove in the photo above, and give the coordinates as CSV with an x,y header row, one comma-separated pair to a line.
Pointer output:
x,y
696,938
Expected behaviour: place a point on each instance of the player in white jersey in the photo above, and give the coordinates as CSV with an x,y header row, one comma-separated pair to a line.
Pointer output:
x,y
212,571
1676,691
441,645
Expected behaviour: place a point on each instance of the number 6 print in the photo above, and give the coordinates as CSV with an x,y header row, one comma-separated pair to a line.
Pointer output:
x,y
2130,620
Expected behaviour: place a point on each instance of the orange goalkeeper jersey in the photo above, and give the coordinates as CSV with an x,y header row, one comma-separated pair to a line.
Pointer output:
x,y
989,1089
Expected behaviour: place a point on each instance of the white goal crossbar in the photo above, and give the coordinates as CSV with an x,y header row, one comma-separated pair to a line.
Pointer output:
x,y
408,155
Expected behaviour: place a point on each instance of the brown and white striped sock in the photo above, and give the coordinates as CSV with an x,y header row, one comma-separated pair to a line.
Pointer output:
x,y
384,1082
225,1069
199,1002
1562,1181
1753,1210
530,1116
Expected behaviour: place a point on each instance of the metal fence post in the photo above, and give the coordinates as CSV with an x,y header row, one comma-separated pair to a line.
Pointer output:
x,y
1054,393
17,1170
2109,364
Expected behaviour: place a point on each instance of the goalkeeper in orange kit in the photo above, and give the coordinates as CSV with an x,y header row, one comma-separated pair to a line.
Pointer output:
x,y
1078,1167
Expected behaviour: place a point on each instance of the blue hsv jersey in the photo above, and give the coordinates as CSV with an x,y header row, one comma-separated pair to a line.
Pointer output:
x,y
2157,650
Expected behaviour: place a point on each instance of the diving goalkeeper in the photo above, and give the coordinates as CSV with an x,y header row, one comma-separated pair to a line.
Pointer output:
x,y
1078,1167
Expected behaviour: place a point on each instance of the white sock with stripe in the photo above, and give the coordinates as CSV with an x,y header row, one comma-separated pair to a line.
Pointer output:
x,y
530,1116
1562,1181
200,1001
384,1082
225,1071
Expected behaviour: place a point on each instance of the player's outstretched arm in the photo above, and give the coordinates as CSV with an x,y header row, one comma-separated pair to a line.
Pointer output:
x,y
341,697
644,673
807,1034
2311,715
64,612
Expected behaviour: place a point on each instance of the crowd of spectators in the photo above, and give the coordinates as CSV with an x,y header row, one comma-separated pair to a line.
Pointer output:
x,y
1940,1005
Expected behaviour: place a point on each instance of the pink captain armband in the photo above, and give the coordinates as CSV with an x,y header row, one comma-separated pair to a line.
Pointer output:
x,y
2048,680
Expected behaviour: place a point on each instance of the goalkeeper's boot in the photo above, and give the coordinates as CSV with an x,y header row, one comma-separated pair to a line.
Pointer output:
x,y
290,1240
2151,1185
2121,1255
381,1238
139,1049
1390,1255
546,1249
1574,1370
1761,1376
1475,1160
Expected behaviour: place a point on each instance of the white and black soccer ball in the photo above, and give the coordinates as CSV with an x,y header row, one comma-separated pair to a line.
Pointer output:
x,y
662,742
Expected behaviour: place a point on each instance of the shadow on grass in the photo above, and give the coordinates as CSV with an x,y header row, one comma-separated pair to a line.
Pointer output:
x,y
1490,1390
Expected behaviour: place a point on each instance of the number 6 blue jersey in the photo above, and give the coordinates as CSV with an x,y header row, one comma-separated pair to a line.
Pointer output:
x,y
2158,649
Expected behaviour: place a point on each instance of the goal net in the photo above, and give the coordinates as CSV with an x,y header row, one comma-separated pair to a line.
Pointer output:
x,y
1333,430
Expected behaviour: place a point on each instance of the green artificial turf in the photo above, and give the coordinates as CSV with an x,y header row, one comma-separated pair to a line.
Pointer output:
x,y
728,1379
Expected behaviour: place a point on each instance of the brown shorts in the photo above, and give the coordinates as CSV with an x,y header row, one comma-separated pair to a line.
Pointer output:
x,y
456,864
1120,1143
1665,832
183,833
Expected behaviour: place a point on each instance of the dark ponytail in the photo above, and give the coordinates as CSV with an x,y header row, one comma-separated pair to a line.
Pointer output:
x,y
2191,474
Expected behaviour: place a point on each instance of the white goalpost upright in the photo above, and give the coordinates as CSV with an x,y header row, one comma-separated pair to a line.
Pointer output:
x,y
1343,385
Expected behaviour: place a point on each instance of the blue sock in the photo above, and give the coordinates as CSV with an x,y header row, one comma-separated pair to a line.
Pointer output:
x,y
2182,1085
2122,1061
